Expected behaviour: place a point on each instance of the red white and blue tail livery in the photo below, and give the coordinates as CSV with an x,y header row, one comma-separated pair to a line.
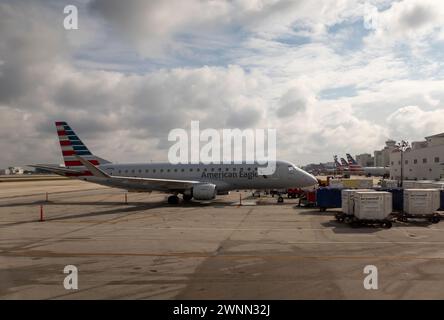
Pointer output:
x,y
353,165
339,167
72,146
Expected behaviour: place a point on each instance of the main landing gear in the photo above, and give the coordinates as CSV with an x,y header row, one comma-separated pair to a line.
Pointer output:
x,y
173,199
187,197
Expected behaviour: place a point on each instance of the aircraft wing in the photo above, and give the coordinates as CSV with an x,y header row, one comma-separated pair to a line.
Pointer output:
x,y
135,182
53,168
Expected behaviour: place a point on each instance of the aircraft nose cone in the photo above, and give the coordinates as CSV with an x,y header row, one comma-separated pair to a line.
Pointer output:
x,y
309,180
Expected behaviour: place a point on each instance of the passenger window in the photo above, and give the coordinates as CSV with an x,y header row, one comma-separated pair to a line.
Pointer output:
x,y
249,169
191,170
154,170
146,171
197,169
168,170
212,169
183,170
175,170
161,170
220,169
226,169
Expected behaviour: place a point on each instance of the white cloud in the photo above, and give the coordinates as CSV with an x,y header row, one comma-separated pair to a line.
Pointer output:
x,y
270,63
408,20
412,122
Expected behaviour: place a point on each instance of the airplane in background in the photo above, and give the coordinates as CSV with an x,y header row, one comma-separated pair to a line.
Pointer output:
x,y
357,169
344,164
193,181
338,167
353,166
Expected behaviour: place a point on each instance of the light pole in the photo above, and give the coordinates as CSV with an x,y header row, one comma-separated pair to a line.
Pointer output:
x,y
402,146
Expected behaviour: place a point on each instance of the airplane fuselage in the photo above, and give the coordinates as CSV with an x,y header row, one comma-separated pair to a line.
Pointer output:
x,y
226,177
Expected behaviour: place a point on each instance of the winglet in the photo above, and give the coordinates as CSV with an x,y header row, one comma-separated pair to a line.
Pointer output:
x,y
94,170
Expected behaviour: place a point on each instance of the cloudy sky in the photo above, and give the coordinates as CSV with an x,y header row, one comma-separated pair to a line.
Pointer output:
x,y
331,76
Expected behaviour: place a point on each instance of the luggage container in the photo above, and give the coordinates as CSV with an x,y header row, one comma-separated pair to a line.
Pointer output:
x,y
347,204
421,204
397,198
389,184
408,184
421,201
366,207
328,198
372,205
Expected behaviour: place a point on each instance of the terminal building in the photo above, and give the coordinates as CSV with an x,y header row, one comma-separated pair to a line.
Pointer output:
x,y
382,157
365,160
423,161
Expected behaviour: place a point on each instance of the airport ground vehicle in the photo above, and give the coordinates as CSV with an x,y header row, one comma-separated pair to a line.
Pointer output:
x,y
404,217
356,222
328,198
307,199
294,192
366,207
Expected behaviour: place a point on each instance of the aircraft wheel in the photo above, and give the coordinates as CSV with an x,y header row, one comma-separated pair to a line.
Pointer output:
x,y
187,197
435,219
173,199
386,224
280,200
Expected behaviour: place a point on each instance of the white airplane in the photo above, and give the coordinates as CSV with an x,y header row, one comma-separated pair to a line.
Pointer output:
x,y
193,181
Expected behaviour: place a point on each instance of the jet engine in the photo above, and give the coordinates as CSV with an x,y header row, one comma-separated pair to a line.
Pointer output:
x,y
204,191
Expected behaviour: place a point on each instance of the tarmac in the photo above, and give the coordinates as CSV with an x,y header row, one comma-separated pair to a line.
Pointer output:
x,y
147,249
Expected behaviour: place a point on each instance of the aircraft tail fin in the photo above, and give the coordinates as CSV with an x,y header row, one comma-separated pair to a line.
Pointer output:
x,y
350,159
72,146
337,164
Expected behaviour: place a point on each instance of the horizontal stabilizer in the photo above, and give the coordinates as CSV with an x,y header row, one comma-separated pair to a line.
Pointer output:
x,y
54,169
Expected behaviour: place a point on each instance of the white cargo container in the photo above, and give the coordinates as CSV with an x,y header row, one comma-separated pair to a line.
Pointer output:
x,y
389,184
421,201
335,183
372,205
409,184
351,183
347,199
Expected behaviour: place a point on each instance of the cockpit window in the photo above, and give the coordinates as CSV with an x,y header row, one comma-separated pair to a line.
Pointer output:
x,y
291,169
